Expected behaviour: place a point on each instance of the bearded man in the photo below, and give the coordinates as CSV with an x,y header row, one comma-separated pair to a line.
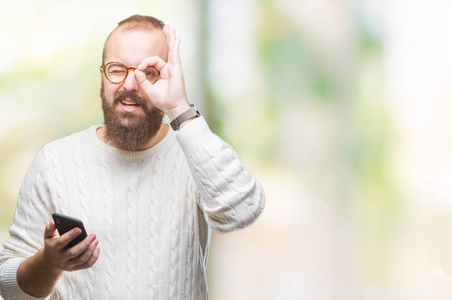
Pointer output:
x,y
149,195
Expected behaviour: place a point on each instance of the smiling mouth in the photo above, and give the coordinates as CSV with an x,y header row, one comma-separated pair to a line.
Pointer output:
x,y
128,103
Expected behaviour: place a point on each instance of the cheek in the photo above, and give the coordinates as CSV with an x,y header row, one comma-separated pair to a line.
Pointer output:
x,y
109,92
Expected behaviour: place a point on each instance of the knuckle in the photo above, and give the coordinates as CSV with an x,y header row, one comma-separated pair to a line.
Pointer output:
x,y
72,252
89,263
65,267
92,261
92,248
81,260
59,243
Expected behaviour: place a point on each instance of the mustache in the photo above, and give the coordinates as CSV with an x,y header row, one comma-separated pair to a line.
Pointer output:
x,y
132,96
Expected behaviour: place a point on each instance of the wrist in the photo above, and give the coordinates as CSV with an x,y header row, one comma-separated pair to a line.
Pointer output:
x,y
44,264
36,277
177,111
184,118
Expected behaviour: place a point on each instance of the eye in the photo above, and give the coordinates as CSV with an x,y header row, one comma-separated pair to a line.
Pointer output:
x,y
150,73
116,69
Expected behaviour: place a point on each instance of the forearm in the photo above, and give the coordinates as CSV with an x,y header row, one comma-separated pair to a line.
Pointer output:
x,y
231,196
36,277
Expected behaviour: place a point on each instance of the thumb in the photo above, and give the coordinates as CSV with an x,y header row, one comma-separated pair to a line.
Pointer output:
x,y
50,230
141,79
139,75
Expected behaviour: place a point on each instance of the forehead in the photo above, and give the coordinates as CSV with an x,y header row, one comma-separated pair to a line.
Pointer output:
x,y
130,47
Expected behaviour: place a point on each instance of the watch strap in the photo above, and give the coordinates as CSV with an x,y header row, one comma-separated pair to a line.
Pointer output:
x,y
188,114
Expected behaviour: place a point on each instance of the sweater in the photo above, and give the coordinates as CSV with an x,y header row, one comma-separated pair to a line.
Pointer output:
x,y
152,211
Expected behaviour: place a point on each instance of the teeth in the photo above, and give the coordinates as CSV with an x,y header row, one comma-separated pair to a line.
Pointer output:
x,y
125,102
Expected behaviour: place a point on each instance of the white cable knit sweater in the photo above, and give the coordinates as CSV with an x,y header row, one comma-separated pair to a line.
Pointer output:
x,y
151,210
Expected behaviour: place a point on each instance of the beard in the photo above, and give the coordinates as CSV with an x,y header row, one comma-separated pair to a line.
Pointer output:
x,y
126,130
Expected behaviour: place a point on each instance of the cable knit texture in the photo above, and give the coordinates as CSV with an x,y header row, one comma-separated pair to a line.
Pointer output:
x,y
151,210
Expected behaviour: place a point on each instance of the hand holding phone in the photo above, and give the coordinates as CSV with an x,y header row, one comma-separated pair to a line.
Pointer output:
x,y
65,223
72,249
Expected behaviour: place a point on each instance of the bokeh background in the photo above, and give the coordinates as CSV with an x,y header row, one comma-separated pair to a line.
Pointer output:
x,y
341,108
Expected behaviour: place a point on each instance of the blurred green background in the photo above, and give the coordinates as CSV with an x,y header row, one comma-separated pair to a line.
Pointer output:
x,y
342,109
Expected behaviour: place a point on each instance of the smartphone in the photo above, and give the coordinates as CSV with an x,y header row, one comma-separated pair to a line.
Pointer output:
x,y
65,223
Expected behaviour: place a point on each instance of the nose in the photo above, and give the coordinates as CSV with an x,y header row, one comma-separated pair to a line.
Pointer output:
x,y
131,83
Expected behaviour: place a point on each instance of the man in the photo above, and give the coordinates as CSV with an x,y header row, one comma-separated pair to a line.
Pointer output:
x,y
148,193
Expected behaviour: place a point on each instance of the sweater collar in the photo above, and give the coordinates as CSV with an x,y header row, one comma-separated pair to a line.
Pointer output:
x,y
164,144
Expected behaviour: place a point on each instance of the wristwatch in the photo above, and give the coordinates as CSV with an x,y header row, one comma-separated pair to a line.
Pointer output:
x,y
192,112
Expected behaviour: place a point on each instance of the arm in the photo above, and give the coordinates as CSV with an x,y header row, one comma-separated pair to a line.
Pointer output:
x,y
168,93
29,264
231,197
36,277
38,274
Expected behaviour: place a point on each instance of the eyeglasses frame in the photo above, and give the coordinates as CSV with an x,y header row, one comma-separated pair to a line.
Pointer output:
x,y
104,66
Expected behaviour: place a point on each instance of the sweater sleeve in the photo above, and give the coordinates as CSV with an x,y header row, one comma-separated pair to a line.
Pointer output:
x,y
231,198
27,232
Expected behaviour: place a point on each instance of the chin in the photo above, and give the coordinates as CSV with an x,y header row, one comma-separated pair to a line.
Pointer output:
x,y
131,121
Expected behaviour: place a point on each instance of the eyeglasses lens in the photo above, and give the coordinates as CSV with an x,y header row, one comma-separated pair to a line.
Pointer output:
x,y
117,72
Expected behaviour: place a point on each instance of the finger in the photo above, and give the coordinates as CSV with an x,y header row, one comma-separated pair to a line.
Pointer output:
x,y
82,246
172,38
90,262
166,31
141,79
155,61
63,240
150,61
170,34
50,230
176,50
67,237
85,255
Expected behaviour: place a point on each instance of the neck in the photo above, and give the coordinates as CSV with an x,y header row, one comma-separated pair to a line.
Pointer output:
x,y
161,133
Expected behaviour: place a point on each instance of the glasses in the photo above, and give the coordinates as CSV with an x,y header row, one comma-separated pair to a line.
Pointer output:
x,y
116,72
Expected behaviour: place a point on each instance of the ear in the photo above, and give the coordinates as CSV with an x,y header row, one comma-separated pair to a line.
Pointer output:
x,y
101,72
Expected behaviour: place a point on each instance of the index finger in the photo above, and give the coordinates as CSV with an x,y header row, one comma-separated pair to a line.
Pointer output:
x,y
152,61
68,236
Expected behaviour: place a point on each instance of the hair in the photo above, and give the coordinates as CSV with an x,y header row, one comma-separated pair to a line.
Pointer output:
x,y
136,22
141,22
